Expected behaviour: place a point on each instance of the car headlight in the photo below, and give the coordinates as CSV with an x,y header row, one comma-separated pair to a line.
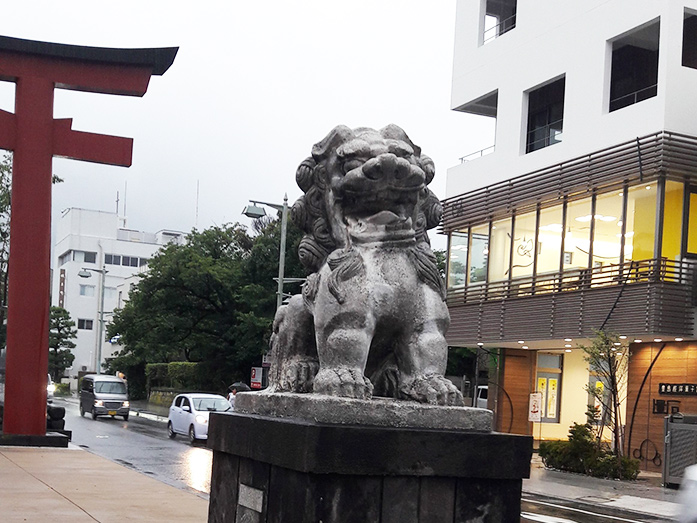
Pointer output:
x,y
98,403
50,387
201,419
126,403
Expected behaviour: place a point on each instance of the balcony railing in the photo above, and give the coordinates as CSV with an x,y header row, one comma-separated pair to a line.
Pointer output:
x,y
629,273
477,154
632,98
497,30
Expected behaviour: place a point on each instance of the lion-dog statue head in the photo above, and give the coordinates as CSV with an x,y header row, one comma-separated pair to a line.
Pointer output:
x,y
373,305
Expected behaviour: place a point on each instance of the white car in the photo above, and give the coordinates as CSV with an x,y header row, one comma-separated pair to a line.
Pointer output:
x,y
189,413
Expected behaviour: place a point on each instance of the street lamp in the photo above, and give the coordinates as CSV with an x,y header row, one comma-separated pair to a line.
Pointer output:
x,y
86,273
255,211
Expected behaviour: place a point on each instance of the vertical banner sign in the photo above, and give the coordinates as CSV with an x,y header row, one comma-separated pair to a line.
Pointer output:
x,y
552,398
542,389
257,373
535,407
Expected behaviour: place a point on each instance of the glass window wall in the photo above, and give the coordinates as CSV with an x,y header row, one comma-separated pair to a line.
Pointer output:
x,y
672,221
479,258
500,250
457,264
524,245
641,223
608,229
578,233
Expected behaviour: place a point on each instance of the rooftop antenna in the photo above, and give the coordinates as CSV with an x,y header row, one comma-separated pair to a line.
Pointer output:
x,y
125,194
196,220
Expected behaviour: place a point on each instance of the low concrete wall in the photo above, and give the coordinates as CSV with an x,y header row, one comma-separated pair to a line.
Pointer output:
x,y
162,397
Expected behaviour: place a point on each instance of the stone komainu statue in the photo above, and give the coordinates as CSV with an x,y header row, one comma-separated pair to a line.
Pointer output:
x,y
371,319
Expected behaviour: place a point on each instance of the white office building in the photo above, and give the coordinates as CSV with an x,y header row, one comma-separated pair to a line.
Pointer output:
x,y
97,243
581,214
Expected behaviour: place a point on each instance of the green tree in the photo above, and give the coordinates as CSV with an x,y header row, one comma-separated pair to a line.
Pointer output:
x,y
210,300
61,332
608,360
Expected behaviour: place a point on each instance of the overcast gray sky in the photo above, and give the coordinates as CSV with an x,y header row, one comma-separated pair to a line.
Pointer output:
x,y
255,84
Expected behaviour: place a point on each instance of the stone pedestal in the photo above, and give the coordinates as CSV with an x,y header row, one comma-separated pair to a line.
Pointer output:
x,y
287,470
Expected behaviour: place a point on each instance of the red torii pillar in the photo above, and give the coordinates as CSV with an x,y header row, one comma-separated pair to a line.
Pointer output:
x,y
37,68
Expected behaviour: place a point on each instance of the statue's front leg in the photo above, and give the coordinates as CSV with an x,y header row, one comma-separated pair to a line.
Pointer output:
x,y
422,364
342,346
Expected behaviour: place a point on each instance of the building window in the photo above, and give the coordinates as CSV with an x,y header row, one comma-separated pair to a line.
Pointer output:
x,y
607,234
479,260
129,261
84,324
499,18
457,263
549,240
549,371
634,72
641,222
110,293
689,40
65,258
500,247
545,115
87,290
142,262
90,257
524,245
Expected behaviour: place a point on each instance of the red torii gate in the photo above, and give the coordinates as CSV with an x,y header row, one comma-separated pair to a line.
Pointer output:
x,y
37,68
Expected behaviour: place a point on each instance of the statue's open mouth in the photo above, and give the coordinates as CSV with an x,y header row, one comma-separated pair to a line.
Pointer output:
x,y
383,226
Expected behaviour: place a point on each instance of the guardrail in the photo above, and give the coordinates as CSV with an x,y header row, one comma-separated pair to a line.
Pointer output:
x,y
497,30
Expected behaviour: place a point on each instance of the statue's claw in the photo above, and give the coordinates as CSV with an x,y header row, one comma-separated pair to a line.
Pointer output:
x,y
433,389
298,376
343,381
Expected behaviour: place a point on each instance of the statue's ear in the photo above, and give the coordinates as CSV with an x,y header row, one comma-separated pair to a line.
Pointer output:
x,y
428,166
336,136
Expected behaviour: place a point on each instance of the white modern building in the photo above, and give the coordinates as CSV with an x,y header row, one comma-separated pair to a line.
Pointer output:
x,y
579,214
97,243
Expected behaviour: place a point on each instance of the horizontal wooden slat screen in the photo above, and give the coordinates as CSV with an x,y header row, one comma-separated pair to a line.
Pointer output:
x,y
651,296
640,160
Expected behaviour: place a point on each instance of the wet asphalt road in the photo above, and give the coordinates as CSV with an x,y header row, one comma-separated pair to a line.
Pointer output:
x,y
143,445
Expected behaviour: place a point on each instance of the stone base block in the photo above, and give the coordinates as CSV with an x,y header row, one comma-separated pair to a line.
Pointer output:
x,y
286,471
50,439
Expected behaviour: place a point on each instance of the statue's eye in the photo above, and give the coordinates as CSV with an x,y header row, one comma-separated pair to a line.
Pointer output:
x,y
350,165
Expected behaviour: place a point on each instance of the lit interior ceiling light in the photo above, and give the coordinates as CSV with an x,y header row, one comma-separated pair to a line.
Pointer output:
x,y
678,339
567,339
617,343
657,340
623,337
567,346
525,346
480,344
637,341
567,350
521,342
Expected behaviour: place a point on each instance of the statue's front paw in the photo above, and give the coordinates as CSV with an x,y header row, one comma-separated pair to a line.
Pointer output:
x,y
434,389
343,381
298,376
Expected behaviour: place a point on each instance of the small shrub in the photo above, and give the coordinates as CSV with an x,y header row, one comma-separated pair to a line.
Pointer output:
x,y
583,454
62,389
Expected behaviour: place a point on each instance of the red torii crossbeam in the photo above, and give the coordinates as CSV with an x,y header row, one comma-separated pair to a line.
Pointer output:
x,y
35,137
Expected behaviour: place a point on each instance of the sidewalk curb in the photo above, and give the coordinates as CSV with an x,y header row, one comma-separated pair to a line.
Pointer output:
x,y
609,505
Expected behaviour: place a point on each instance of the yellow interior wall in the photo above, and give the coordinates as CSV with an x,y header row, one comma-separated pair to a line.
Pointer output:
x,y
644,224
574,399
672,221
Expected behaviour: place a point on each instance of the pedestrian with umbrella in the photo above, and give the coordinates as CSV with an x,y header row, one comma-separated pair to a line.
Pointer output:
x,y
236,387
